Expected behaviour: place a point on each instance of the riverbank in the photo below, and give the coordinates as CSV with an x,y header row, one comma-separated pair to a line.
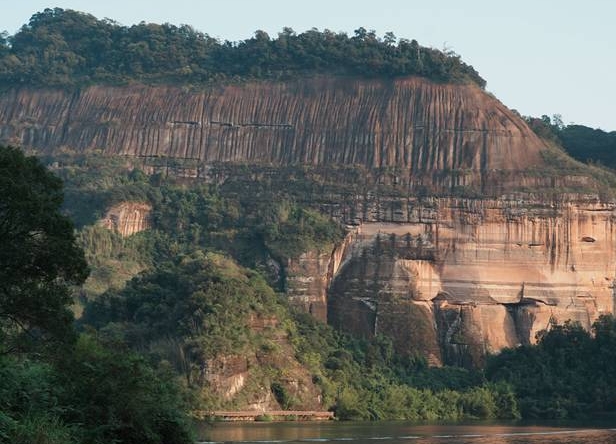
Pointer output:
x,y
265,416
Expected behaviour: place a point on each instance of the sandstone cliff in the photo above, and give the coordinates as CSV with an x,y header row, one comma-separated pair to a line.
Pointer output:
x,y
477,276
128,218
412,126
447,278
246,380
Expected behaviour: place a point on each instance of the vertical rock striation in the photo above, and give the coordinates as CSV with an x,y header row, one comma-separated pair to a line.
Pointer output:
x,y
412,125
479,276
128,218
447,278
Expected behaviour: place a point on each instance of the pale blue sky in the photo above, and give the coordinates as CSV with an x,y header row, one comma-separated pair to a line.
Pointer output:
x,y
538,56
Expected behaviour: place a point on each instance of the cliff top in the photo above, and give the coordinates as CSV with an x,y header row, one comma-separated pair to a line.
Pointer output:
x,y
64,47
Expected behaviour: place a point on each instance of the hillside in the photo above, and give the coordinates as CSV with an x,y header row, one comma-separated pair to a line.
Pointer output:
x,y
485,220
589,145
389,197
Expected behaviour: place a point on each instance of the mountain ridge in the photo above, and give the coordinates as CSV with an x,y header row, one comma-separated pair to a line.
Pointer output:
x,y
60,47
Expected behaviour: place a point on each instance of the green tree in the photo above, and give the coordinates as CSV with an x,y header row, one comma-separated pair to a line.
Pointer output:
x,y
198,308
116,396
39,258
85,391
65,47
568,374
589,144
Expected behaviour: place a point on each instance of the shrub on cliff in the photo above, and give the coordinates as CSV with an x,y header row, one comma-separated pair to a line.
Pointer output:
x,y
260,225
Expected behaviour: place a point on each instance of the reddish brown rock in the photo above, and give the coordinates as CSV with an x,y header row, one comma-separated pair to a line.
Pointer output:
x,y
489,273
413,125
227,375
246,379
451,279
128,218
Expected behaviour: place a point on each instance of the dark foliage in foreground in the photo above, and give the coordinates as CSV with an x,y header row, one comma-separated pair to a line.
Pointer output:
x,y
56,387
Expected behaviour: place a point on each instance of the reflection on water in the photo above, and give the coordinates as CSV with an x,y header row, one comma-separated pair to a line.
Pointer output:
x,y
400,432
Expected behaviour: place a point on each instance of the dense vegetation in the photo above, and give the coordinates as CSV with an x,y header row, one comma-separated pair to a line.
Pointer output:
x,y
589,145
39,258
193,302
206,281
372,382
56,387
259,224
197,308
190,310
568,374
64,47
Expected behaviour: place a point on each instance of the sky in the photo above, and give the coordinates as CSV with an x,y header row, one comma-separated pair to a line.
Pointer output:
x,y
538,56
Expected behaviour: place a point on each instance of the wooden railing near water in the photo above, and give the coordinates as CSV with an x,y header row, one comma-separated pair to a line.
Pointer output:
x,y
272,415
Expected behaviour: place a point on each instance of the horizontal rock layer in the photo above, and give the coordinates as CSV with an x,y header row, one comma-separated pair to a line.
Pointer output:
x,y
451,279
476,276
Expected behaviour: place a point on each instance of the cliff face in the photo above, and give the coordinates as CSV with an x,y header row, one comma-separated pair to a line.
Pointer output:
x,y
310,275
476,276
128,218
449,279
412,125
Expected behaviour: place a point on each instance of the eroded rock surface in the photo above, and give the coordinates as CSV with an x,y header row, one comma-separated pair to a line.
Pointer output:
x,y
128,218
247,379
451,279
412,124
479,276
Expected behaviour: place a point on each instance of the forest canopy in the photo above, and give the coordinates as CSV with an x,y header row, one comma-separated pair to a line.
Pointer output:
x,y
60,47
591,145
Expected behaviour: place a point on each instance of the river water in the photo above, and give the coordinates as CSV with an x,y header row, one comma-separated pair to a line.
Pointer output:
x,y
404,432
